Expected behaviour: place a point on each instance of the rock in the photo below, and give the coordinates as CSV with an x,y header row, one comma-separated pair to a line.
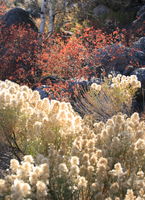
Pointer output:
x,y
51,79
140,20
42,92
116,4
141,11
138,25
140,44
100,11
139,98
18,16
120,58
138,101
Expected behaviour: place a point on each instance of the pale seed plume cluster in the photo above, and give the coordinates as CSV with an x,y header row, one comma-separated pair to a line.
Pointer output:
x,y
33,119
82,159
114,95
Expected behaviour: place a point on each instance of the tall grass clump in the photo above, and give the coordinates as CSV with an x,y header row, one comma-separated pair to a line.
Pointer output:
x,y
113,95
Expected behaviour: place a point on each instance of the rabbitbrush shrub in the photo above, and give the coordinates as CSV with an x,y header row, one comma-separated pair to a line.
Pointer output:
x,y
105,161
33,123
74,158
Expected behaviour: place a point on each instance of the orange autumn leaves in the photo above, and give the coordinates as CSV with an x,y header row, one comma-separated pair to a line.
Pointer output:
x,y
26,59
69,58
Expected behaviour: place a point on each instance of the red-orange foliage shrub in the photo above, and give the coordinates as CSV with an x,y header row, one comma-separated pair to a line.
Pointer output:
x,y
23,58
70,58
18,49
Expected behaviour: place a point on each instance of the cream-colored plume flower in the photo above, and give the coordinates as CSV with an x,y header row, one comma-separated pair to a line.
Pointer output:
x,y
96,87
130,195
74,160
20,189
28,158
82,182
117,171
14,165
41,188
63,168
74,170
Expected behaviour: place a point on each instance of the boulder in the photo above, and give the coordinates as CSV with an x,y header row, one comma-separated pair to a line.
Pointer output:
x,y
141,11
51,79
139,98
42,92
139,21
100,11
138,25
120,58
116,4
18,16
140,44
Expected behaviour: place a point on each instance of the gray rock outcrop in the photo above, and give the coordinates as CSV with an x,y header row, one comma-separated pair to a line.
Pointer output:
x,y
18,16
